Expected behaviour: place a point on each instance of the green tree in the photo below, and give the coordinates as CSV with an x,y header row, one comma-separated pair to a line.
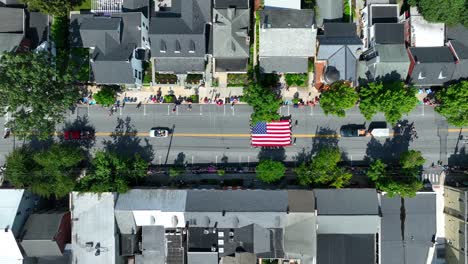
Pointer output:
x,y
112,173
450,12
377,170
324,169
264,101
270,171
51,7
49,172
453,103
391,98
403,181
411,159
338,98
35,92
105,96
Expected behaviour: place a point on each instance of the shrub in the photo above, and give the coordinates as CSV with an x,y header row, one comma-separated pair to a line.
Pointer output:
x,y
296,79
170,98
194,98
105,96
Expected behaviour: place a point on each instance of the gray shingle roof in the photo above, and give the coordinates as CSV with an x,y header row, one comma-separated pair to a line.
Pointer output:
x,y
202,257
384,14
419,228
329,10
458,37
11,20
340,49
111,72
184,24
230,33
434,65
236,201
231,65
283,64
346,201
391,64
11,28
287,18
389,33
180,65
38,28
344,249
230,3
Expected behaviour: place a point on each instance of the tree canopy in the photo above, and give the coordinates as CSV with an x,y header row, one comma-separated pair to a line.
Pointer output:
x,y
338,98
111,172
51,7
35,93
403,181
450,12
264,101
49,172
270,171
453,103
391,98
323,169
105,96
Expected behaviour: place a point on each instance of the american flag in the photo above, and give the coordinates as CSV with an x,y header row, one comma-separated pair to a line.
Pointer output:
x,y
272,134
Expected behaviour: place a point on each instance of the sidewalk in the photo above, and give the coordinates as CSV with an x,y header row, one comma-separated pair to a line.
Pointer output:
x,y
144,94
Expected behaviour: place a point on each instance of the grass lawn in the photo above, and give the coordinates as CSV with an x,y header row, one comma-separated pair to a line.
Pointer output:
x,y
85,5
80,63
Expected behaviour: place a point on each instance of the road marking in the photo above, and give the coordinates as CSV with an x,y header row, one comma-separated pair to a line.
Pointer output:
x,y
145,134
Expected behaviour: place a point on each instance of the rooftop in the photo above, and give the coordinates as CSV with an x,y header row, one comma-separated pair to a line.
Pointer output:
x,y
9,202
426,34
383,14
432,54
389,33
93,228
286,18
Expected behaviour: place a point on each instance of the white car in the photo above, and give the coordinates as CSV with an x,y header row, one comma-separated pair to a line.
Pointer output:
x,y
159,133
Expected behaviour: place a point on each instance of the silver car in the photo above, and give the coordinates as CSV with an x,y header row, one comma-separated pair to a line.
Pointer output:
x,y
159,133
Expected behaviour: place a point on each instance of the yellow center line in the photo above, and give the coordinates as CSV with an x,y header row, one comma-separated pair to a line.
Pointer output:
x,y
146,134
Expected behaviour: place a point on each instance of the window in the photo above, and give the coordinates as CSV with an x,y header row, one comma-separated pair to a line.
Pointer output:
x,y
177,46
144,39
136,73
163,46
139,75
144,24
420,76
441,76
192,46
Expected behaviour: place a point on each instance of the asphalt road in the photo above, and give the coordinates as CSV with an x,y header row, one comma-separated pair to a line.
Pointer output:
x,y
217,134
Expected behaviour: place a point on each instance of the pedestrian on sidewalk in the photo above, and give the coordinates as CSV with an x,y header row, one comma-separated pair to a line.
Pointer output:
x,y
294,142
139,105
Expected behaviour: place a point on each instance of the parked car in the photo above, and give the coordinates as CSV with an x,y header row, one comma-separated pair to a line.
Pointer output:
x,y
353,131
156,132
78,135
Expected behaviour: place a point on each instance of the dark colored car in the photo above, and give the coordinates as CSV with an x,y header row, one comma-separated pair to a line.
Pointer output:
x,y
353,131
77,134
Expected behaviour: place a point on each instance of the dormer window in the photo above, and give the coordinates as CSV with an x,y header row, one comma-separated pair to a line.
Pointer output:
x,y
192,46
441,76
420,76
163,47
177,46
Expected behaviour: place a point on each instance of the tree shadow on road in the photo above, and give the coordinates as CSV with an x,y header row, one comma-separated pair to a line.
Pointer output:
x,y
391,149
81,123
125,141
324,136
276,154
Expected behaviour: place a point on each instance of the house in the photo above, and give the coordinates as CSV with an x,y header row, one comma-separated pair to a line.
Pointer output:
x,y
379,24
348,224
329,11
456,224
15,207
338,53
424,33
117,45
408,229
12,28
287,40
179,34
282,4
457,37
386,58
46,234
93,228
209,226
231,42
431,66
